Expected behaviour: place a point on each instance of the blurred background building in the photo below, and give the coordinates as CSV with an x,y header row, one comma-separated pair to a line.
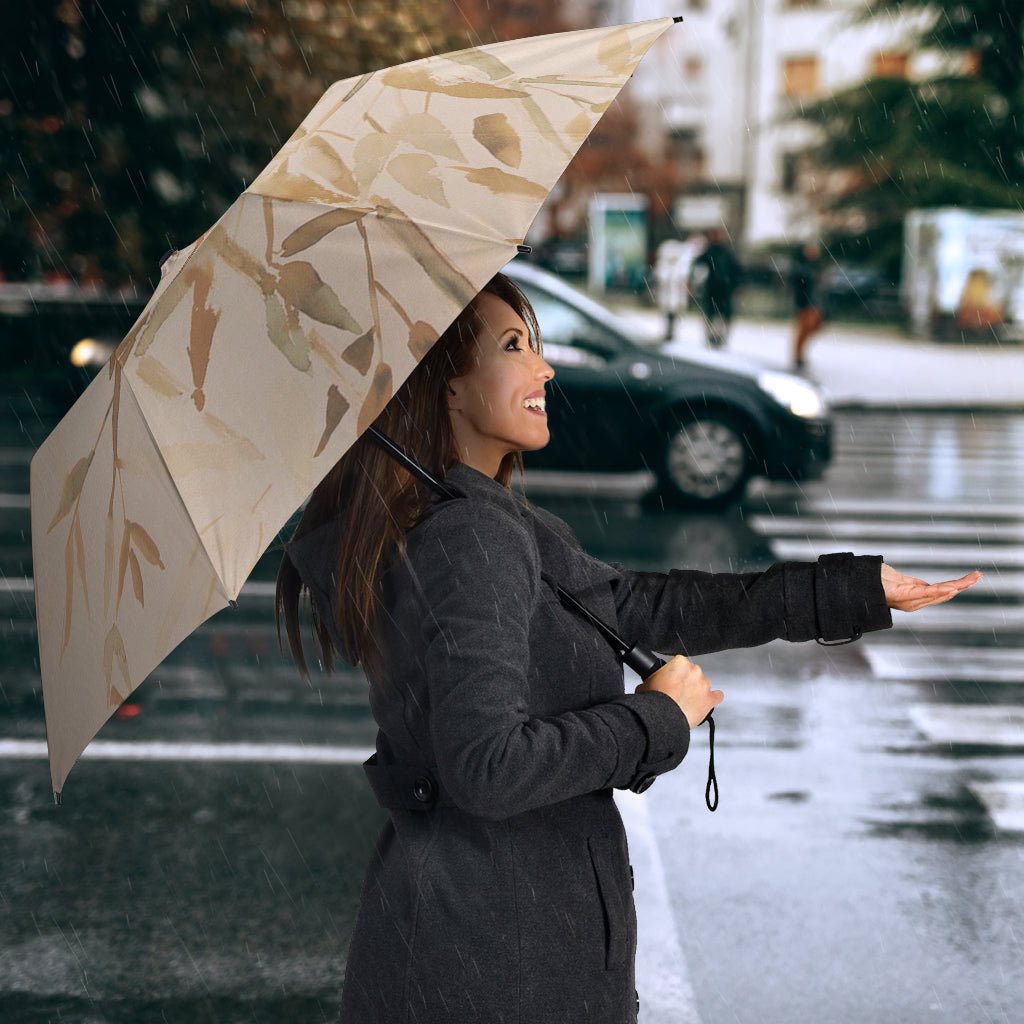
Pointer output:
x,y
128,126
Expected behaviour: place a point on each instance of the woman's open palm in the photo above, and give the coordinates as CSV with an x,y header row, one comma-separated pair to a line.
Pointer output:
x,y
908,593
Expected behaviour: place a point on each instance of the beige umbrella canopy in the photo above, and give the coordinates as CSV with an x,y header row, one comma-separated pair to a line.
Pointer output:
x,y
276,338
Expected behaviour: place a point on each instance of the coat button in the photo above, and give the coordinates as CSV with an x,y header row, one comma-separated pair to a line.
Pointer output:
x,y
423,789
643,783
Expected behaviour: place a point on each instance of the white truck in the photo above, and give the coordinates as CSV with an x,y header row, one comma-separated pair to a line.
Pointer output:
x,y
963,274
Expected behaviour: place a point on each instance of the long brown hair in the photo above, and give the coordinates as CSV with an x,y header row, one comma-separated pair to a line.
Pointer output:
x,y
376,499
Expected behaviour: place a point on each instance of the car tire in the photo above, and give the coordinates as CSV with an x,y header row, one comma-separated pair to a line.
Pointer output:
x,y
705,461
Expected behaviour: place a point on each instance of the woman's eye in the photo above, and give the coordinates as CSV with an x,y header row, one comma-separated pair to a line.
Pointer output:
x,y
514,343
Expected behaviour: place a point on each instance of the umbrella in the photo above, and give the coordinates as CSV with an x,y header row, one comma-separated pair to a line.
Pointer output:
x,y
276,338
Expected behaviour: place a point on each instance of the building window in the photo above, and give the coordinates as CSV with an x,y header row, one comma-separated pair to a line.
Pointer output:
x,y
790,173
693,69
687,152
889,64
800,77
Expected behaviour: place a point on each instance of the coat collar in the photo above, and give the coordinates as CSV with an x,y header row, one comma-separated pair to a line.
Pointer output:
x,y
474,484
316,554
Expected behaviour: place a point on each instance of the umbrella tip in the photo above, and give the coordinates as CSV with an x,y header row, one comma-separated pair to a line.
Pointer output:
x,y
524,248
678,18
234,604
56,797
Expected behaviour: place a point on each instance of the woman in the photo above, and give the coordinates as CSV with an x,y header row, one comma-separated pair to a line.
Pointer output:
x,y
500,888
803,279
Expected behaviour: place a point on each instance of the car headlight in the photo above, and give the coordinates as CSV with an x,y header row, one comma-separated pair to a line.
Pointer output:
x,y
799,396
91,352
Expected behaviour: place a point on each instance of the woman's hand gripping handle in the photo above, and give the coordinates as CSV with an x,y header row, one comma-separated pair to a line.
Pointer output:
x,y
687,685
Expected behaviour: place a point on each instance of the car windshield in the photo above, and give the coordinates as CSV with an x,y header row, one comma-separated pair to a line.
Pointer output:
x,y
567,315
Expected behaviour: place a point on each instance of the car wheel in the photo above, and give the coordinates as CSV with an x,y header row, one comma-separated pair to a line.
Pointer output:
x,y
705,461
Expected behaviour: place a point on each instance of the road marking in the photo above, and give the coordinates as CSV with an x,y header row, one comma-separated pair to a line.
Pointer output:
x,y
971,556
947,529
949,664
662,976
971,725
962,618
1004,802
897,507
262,753
558,482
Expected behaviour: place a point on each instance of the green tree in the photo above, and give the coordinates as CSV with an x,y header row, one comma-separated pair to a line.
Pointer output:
x,y
956,138
127,127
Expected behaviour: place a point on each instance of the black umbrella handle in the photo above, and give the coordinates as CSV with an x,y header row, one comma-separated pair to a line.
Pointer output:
x,y
645,663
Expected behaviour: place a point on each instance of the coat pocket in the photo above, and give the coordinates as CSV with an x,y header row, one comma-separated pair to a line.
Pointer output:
x,y
604,855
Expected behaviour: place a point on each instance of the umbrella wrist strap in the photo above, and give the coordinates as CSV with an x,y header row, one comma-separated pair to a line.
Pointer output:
x,y
712,778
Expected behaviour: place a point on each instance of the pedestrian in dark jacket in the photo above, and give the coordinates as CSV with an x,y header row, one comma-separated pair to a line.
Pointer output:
x,y
803,280
721,276
499,889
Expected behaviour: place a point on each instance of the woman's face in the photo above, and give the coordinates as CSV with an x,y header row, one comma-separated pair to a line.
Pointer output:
x,y
489,418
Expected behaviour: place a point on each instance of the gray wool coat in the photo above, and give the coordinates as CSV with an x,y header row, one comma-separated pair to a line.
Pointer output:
x,y
499,891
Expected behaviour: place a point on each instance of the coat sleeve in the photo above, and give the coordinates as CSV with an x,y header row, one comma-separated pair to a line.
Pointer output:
x,y
837,598
477,571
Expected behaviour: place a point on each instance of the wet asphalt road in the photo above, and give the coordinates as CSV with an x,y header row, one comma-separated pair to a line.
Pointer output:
x,y
861,866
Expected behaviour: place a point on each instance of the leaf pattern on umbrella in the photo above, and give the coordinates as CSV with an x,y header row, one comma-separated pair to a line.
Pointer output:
x,y
417,172
360,353
482,61
381,390
317,229
301,286
428,133
501,183
113,650
617,53
72,488
372,152
419,79
543,124
447,277
497,135
204,323
337,406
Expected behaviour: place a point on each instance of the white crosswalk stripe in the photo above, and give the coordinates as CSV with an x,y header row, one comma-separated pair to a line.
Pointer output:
x,y
975,521
945,663
970,725
1004,802
971,556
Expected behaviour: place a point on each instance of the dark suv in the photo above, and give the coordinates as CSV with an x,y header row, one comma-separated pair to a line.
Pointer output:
x,y
701,424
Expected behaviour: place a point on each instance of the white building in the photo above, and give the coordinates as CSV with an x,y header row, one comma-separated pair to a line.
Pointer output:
x,y
723,83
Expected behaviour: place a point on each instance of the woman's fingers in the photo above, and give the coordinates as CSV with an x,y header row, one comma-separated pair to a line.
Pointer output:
x,y
911,596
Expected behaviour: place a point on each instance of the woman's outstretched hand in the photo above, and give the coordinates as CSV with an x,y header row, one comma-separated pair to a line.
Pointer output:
x,y
687,685
908,593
